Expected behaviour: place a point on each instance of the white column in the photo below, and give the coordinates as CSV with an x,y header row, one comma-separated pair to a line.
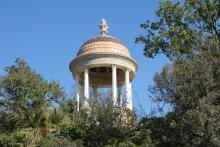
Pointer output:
x,y
77,91
86,87
127,90
114,85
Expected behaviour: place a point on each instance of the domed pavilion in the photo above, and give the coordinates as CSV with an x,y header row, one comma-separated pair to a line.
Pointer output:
x,y
103,62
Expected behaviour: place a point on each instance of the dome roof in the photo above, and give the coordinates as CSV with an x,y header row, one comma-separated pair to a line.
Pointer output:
x,y
102,52
103,45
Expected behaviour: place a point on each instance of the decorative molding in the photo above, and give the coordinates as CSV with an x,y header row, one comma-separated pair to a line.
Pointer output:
x,y
97,60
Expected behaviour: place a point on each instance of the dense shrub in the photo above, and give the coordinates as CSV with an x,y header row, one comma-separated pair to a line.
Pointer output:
x,y
15,139
59,142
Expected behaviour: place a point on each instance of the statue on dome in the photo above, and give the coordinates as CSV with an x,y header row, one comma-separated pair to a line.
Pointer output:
x,y
103,27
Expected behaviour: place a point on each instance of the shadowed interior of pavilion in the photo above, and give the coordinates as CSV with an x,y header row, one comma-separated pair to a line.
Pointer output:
x,y
102,77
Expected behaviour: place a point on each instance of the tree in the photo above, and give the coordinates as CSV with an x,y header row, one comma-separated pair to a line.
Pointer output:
x,y
188,88
28,118
181,29
188,34
25,97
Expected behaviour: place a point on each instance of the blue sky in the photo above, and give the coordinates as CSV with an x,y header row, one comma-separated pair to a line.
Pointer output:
x,y
48,34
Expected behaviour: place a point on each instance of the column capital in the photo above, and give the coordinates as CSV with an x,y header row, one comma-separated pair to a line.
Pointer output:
x,y
128,70
86,69
114,65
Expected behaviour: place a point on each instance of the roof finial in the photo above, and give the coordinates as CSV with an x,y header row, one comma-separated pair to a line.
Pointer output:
x,y
103,27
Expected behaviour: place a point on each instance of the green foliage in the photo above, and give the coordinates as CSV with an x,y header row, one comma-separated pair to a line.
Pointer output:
x,y
56,116
15,139
188,87
59,142
100,136
101,129
154,128
142,137
28,118
73,130
25,96
181,28
188,33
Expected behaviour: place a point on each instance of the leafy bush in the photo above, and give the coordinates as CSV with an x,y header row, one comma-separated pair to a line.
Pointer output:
x,y
15,139
53,141
72,131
